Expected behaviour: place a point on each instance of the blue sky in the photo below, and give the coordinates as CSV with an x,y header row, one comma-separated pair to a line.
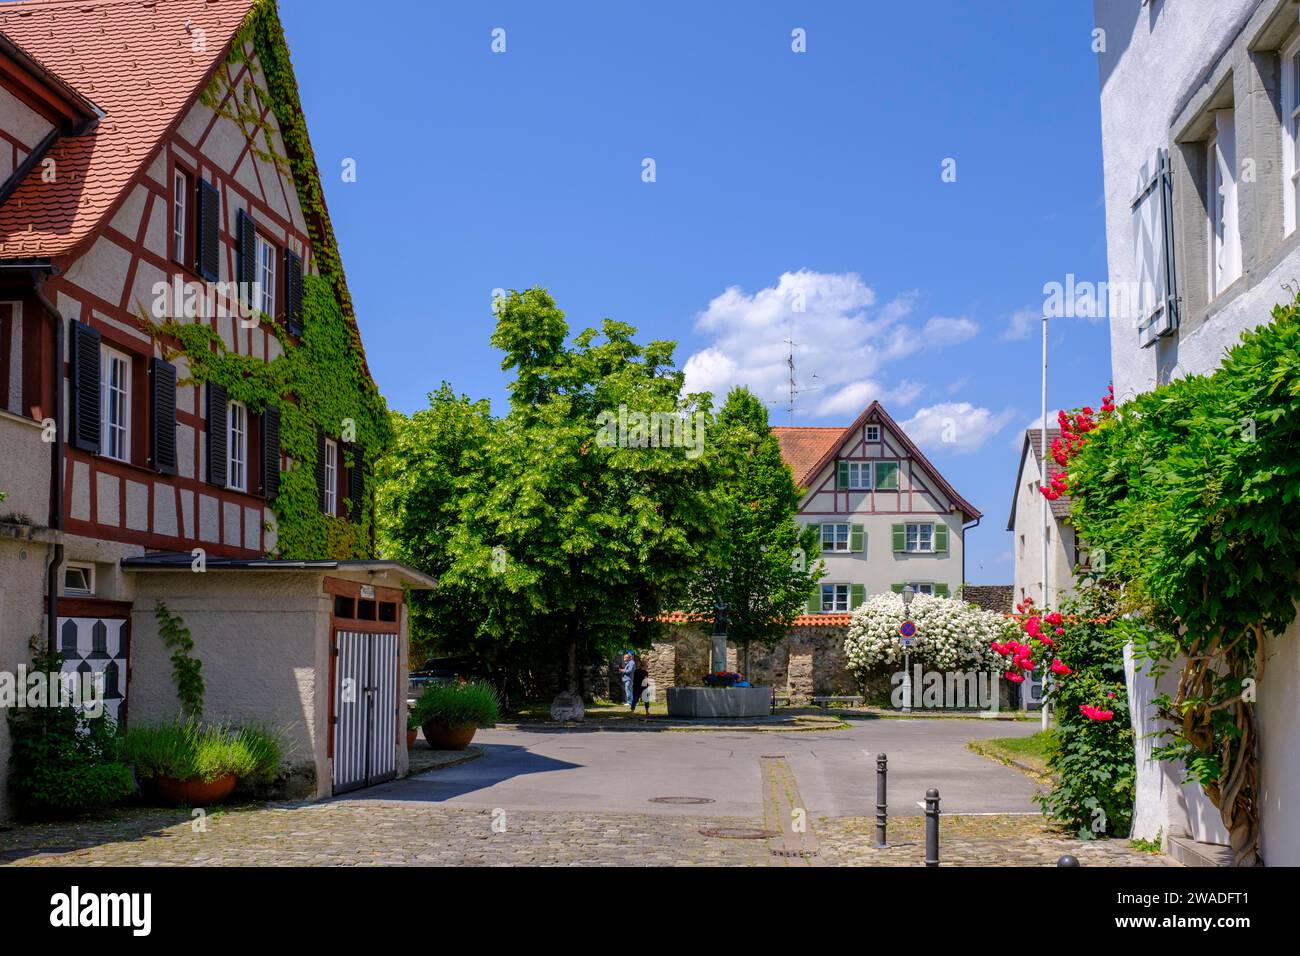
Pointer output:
x,y
777,174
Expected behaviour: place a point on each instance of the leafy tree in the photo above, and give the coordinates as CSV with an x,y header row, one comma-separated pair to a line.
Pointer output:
x,y
759,563
551,541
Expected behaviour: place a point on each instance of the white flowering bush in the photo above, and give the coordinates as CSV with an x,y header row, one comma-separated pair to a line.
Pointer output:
x,y
951,635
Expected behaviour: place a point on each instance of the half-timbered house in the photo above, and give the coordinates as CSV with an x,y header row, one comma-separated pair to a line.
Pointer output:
x,y
163,237
886,517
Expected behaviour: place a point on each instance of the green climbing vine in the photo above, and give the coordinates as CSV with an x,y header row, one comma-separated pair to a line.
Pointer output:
x,y
320,382
187,671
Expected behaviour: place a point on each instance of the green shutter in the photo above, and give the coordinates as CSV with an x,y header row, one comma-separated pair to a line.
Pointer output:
x,y
857,594
818,529
900,537
896,588
841,474
815,601
941,590
886,475
940,537
857,538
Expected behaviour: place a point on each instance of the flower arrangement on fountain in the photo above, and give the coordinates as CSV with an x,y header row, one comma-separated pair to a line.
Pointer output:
x,y
725,679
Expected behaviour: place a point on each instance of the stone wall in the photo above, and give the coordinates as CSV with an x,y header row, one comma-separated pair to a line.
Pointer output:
x,y
809,662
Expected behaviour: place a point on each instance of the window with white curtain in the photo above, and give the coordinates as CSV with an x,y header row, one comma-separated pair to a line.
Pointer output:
x,y
115,407
237,446
1221,198
1290,129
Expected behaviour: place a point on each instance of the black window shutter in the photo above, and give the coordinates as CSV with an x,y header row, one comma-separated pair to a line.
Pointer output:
x,y
85,386
217,426
356,484
162,416
271,452
293,292
246,257
206,258
320,468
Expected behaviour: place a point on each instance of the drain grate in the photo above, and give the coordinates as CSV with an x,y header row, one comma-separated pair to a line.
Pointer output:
x,y
684,801
739,833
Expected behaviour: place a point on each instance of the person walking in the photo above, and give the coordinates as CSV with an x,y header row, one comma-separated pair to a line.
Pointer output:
x,y
628,669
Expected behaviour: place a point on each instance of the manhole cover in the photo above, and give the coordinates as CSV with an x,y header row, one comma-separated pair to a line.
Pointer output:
x,y
738,833
681,800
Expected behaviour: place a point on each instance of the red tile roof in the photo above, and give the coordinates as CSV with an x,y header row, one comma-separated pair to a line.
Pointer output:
x,y
803,620
802,448
134,59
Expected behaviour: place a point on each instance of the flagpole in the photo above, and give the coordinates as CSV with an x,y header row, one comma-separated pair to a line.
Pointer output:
x,y
1043,498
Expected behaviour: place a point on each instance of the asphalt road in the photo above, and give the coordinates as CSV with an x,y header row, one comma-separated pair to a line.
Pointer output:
x,y
624,770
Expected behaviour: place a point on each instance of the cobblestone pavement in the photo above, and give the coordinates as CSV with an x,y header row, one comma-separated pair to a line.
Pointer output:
x,y
392,833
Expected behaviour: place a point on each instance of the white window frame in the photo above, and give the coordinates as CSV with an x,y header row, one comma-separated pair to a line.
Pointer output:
x,y
898,472
921,587
1290,130
331,476
839,595
115,434
180,214
237,446
873,433
859,476
88,570
920,532
839,536
1224,235
265,266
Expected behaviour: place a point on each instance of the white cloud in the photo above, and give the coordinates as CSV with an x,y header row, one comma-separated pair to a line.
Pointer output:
x,y
942,331
956,427
1022,324
844,341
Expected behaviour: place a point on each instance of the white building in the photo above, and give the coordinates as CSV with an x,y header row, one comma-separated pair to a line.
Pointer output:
x,y
1026,527
1200,102
886,516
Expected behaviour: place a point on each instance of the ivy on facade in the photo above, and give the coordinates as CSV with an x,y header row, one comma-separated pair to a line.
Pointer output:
x,y
321,382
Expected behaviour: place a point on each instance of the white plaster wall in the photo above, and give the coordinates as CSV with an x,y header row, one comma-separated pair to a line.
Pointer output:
x,y
263,641
878,565
1160,58
1028,521
26,476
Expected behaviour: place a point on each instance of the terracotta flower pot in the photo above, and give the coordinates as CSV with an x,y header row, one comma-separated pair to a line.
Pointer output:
x,y
194,792
411,734
442,737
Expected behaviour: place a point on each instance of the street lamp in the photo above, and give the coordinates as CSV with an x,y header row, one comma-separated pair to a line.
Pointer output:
x,y
908,593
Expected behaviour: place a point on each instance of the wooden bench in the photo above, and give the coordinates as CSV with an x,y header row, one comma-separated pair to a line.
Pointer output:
x,y
824,702
779,700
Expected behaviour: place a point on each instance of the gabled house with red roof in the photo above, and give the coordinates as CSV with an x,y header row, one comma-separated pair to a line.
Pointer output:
x,y
886,516
186,413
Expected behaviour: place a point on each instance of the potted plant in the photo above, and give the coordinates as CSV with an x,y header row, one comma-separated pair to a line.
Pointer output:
x,y
412,729
190,763
450,713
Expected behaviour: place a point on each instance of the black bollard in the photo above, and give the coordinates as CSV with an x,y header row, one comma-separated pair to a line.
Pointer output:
x,y
932,827
1067,860
882,762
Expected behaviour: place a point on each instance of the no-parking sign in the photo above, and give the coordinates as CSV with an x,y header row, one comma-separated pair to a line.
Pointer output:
x,y
907,631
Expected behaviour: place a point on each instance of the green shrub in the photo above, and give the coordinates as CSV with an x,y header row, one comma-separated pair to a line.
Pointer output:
x,y
455,705
187,749
63,762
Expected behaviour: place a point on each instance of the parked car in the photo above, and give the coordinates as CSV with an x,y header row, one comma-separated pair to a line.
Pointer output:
x,y
446,670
